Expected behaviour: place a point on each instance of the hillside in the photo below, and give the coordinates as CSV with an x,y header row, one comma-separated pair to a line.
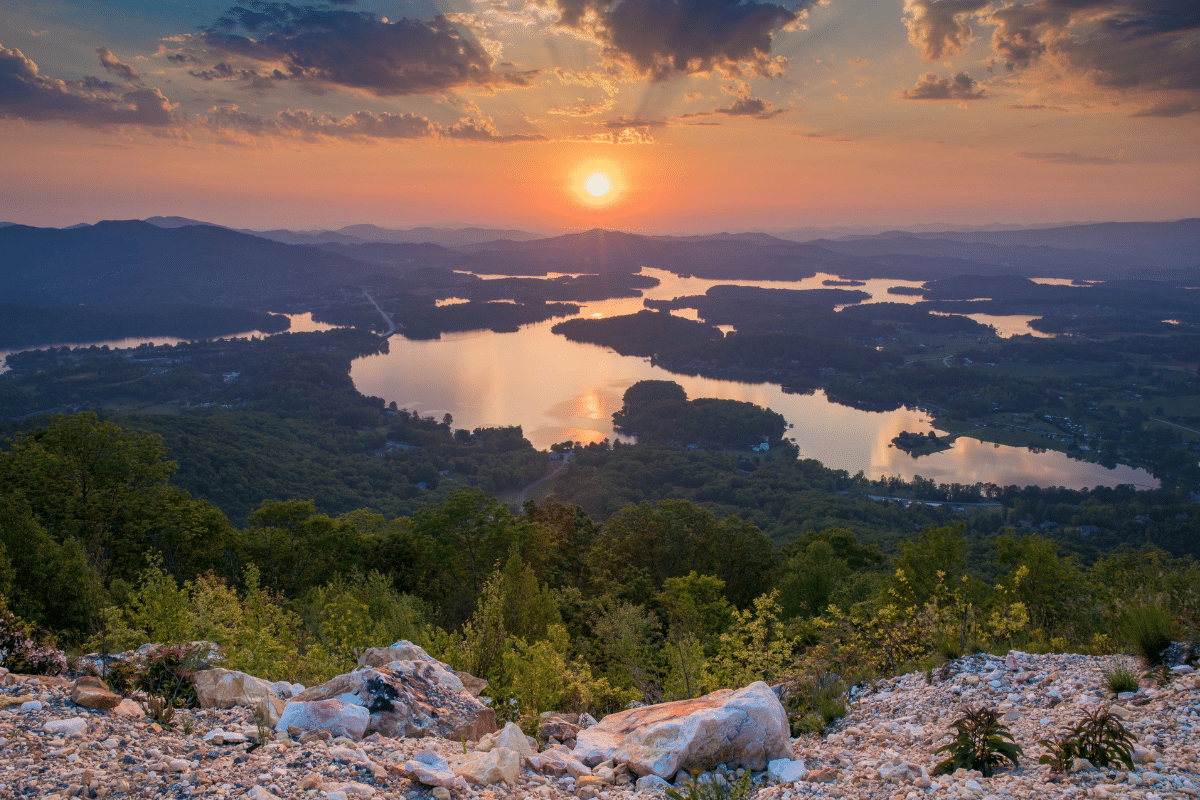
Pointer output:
x,y
130,264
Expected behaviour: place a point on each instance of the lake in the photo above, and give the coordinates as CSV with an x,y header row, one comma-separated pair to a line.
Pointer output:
x,y
558,390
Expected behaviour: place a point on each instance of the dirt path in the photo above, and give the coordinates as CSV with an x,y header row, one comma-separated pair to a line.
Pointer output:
x,y
566,457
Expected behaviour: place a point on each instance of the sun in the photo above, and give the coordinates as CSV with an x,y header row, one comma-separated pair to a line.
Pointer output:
x,y
597,184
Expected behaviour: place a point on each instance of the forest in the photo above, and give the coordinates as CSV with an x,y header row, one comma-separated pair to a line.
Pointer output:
x,y
556,607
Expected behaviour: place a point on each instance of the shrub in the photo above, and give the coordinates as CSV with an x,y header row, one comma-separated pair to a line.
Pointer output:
x,y
1099,737
19,653
168,676
983,743
1121,677
815,703
1149,629
121,677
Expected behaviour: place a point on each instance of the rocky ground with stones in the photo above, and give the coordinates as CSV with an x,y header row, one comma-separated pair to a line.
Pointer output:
x,y
62,738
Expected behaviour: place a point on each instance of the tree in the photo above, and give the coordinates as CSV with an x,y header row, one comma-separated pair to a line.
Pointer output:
x,y
92,481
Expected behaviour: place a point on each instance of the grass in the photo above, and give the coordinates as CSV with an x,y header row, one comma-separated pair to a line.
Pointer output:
x,y
1121,677
1149,629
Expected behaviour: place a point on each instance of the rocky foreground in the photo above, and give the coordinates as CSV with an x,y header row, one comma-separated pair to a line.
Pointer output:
x,y
52,746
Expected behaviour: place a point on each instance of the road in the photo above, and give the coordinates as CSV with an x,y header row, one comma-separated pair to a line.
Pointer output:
x,y
391,325
563,463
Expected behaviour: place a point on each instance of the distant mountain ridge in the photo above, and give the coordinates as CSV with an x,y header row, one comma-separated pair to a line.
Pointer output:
x,y
130,264
366,233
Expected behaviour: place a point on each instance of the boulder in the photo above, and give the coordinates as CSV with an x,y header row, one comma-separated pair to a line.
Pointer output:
x,y
226,688
405,650
338,717
747,727
93,693
558,762
409,698
511,737
494,766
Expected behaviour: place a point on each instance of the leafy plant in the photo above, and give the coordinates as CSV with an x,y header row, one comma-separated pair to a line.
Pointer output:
x,y
712,789
168,675
983,743
1099,737
1121,677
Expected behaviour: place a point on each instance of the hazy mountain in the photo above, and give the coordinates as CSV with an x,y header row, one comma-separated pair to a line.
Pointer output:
x,y
1143,244
134,264
1020,257
447,237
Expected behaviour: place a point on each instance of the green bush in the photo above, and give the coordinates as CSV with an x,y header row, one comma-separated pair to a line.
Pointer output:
x,y
983,743
815,703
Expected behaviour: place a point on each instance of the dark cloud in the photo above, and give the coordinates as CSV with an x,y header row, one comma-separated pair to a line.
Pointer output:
x,y
362,126
621,123
1171,108
1116,44
25,94
659,38
115,67
743,107
326,47
1068,157
932,87
939,28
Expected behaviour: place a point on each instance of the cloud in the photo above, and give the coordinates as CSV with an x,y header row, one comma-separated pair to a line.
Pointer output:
x,y
621,123
1124,45
743,107
938,28
1069,157
26,94
362,126
115,67
1032,107
660,38
932,87
323,47
1171,108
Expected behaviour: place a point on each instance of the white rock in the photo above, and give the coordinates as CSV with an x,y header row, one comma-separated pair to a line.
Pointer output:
x,y
75,726
336,716
494,766
31,706
786,770
747,727
652,783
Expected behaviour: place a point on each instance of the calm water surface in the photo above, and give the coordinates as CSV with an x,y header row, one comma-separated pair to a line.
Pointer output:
x,y
559,390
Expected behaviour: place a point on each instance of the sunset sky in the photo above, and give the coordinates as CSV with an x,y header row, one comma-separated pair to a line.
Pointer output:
x,y
703,115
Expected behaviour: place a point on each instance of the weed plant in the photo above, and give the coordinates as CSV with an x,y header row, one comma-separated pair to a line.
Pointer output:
x,y
983,743
815,703
712,790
